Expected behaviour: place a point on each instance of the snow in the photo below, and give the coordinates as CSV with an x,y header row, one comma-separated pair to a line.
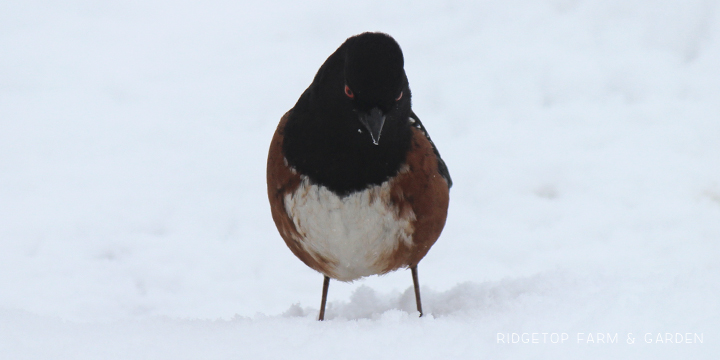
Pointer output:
x,y
581,137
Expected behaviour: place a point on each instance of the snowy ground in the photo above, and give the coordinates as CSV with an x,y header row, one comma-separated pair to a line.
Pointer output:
x,y
582,137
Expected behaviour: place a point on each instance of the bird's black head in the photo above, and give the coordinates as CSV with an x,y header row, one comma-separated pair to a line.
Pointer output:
x,y
375,81
334,132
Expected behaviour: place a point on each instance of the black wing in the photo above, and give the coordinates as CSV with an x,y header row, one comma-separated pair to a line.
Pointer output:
x,y
442,168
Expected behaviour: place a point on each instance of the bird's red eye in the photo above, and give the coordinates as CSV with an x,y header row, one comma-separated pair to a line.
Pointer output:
x,y
349,92
399,96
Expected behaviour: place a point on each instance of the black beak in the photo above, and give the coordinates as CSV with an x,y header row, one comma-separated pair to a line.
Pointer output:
x,y
373,121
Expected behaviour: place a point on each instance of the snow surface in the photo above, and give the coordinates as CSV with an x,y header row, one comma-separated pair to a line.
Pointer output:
x,y
582,137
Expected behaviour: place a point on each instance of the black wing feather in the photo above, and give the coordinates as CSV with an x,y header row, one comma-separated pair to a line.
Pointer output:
x,y
442,167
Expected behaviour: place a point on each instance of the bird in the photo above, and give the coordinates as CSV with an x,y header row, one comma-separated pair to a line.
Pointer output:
x,y
356,186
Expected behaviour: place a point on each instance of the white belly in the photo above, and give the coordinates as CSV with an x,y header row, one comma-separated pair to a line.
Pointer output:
x,y
355,234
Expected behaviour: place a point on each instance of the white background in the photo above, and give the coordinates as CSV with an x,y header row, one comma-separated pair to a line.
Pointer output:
x,y
582,136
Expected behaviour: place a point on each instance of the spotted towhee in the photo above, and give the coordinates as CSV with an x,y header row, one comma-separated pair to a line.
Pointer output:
x,y
356,186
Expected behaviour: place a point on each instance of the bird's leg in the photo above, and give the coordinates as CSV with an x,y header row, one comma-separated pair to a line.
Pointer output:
x,y
326,284
416,284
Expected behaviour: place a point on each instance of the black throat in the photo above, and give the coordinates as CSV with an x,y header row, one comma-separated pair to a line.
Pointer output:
x,y
336,151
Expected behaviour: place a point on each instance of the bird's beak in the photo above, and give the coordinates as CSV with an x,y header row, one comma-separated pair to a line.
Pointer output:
x,y
373,121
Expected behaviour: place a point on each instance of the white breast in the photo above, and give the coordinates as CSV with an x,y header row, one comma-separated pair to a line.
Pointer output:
x,y
356,234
